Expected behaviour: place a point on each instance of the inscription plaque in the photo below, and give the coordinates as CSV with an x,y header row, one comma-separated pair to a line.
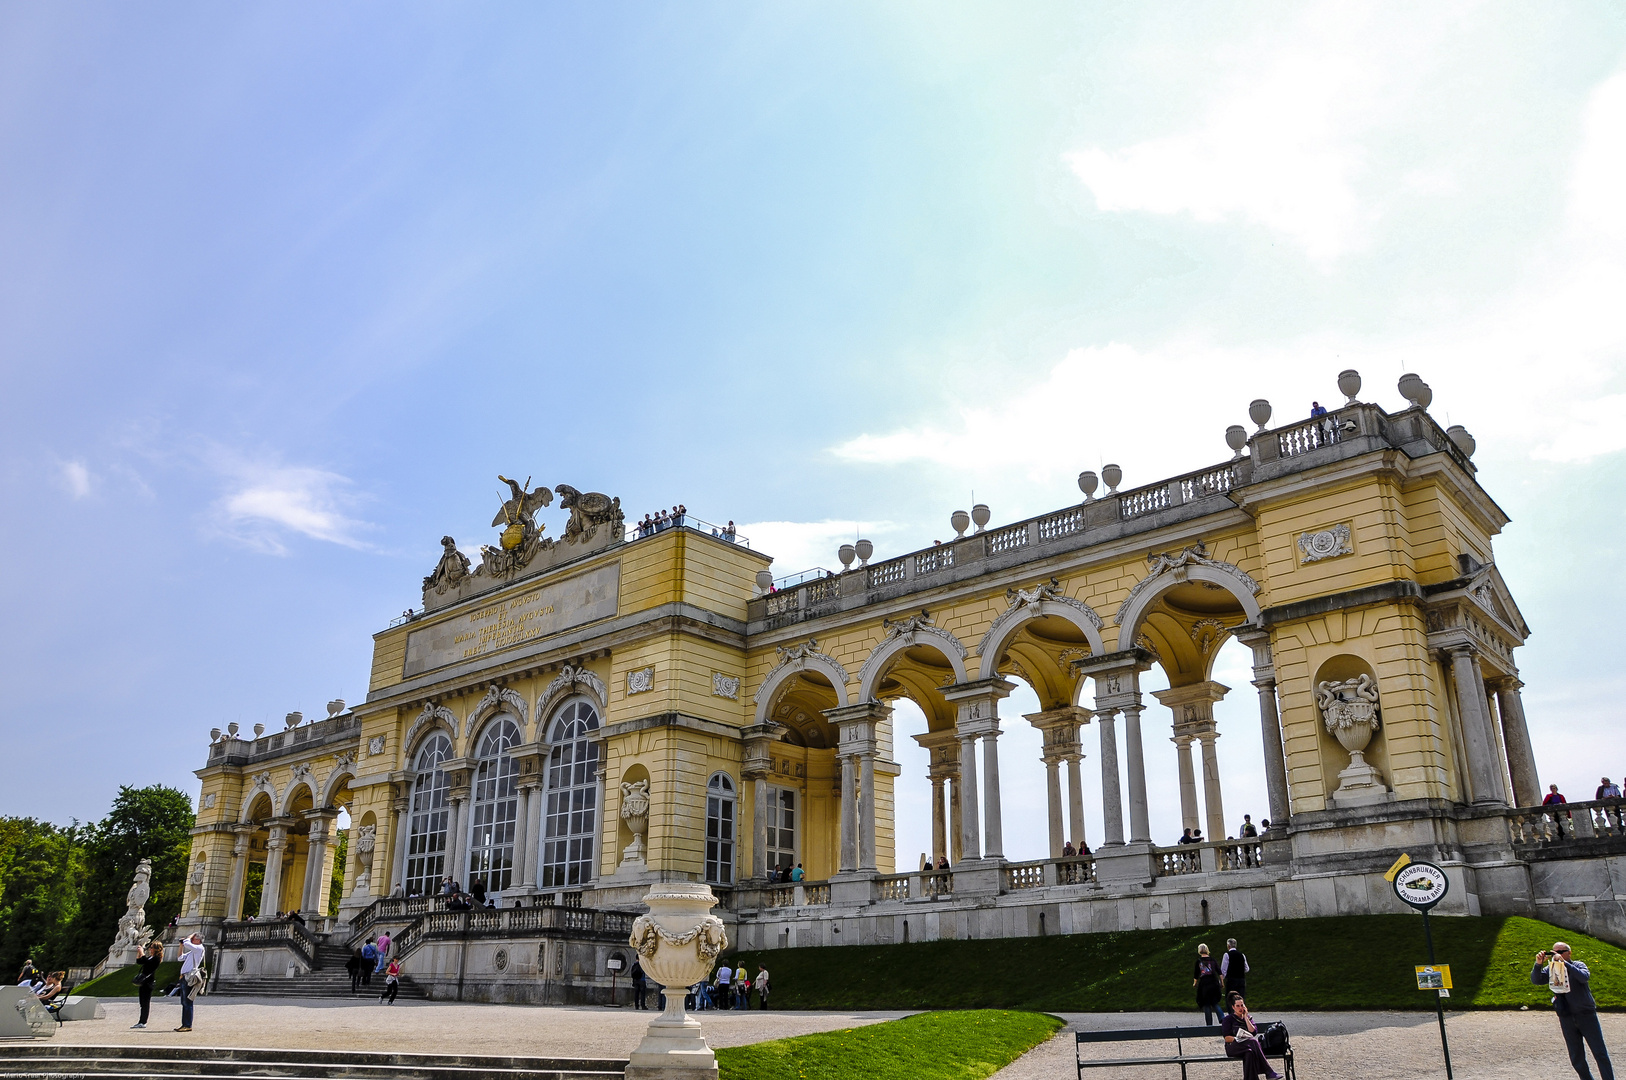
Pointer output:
x,y
513,620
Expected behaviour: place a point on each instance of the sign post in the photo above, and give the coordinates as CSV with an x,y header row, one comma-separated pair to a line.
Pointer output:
x,y
1421,885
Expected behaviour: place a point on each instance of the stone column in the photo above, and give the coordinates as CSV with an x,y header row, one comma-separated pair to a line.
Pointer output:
x,y
1481,770
1140,826
1521,758
866,802
457,841
849,809
956,821
400,838
533,845
1188,782
1112,800
1492,732
271,886
317,881
978,703
1270,725
522,836
1052,785
1212,800
239,872
970,831
759,827
939,825
1075,799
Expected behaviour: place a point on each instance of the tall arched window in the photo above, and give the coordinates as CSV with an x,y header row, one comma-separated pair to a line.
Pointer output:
x,y
572,808
426,850
496,808
720,807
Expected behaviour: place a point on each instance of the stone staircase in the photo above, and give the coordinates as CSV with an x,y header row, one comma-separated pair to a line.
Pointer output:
x,y
328,980
57,1062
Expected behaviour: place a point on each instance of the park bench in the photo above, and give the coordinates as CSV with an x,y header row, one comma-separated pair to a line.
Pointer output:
x,y
1179,1036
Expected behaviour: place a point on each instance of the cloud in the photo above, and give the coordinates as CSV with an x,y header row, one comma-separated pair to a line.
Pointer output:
x,y
1284,144
265,503
76,478
804,545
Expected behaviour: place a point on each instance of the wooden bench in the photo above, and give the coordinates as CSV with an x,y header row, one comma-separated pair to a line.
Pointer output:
x,y
1179,1036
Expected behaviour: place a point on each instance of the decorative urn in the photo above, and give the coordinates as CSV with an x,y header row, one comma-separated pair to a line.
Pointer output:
x,y
259,729
846,554
1350,711
1087,483
1349,384
864,549
1236,437
959,521
1465,442
1410,386
764,581
981,515
1259,413
1114,476
635,812
214,734
678,943
294,719
335,707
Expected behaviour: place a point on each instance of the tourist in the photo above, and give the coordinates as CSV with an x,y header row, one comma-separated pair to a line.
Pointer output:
x,y
1555,799
1067,850
725,975
369,960
191,977
392,982
152,954
640,986
354,966
729,534
1185,838
1570,982
383,952
742,988
1317,409
1196,836
1248,831
762,986
446,885
1206,978
1083,848
478,889
53,987
797,874
1242,1040
1609,792
942,863
27,975
1234,969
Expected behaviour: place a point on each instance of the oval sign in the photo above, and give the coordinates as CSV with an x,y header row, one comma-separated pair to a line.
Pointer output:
x,y
1421,884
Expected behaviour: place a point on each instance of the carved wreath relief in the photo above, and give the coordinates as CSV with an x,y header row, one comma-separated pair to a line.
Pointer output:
x,y
1325,543
725,686
640,681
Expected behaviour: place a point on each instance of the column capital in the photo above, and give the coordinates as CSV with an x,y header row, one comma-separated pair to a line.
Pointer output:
x,y
1060,728
978,704
1117,677
1505,684
855,727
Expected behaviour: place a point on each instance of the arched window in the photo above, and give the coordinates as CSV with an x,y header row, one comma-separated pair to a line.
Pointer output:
x,y
426,850
781,828
572,808
720,830
496,808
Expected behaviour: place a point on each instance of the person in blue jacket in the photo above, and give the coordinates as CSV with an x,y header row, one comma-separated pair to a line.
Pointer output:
x,y
1570,982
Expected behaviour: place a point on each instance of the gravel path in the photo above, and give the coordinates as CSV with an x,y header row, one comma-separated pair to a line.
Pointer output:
x,y
430,1027
1372,1046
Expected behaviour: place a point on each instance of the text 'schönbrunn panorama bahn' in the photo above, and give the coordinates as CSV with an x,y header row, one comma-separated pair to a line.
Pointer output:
x,y
580,715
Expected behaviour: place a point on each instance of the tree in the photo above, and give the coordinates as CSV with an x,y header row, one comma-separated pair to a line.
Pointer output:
x,y
144,823
335,890
40,871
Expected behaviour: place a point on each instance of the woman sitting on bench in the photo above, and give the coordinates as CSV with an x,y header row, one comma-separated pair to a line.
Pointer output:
x,y
1242,1040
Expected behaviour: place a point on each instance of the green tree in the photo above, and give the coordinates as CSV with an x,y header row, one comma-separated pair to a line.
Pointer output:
x,y
144,823
335,890
40,873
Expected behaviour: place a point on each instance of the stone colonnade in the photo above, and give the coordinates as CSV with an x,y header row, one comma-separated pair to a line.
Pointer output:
x,y
1501,763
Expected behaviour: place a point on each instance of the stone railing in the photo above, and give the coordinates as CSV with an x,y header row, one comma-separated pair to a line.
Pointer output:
x,y
548,920
1024,876
270,932
795,894
1209,857
892,887
1532,826
935,883
1076,870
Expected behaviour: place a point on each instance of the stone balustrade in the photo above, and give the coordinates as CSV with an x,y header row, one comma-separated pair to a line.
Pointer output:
x,y
1576,822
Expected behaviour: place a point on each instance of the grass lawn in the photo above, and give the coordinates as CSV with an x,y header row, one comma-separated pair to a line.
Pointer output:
x,y
116,983
930,1046
1350,962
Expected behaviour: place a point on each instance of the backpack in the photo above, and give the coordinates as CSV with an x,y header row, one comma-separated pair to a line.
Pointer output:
x,y
1273,1038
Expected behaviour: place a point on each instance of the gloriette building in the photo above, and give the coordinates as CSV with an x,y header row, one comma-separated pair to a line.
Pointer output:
x,y
581,715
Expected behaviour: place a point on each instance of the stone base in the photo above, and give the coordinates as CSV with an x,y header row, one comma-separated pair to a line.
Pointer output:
x,y
1360,785
1130,864
673,1047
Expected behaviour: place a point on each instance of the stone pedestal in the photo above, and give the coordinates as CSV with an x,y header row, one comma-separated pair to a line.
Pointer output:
x,y
677,943
1131,864
1360,785
978,877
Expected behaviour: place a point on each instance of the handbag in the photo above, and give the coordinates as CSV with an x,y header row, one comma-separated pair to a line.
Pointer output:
x,y
1273,1038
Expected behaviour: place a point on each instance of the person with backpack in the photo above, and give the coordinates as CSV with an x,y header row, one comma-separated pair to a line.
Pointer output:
x,y
1242,1040
192,977
369,961
353,966
1206,978
742,988
1234,970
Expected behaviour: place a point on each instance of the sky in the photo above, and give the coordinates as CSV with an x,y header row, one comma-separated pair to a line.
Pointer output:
x,y
284,286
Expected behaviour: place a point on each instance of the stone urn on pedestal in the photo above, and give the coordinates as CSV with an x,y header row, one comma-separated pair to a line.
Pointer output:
x,y
677,942
1350,711
635,812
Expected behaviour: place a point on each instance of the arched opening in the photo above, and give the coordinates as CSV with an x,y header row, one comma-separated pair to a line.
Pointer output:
x,y
571,817
426,844
495,812
721,817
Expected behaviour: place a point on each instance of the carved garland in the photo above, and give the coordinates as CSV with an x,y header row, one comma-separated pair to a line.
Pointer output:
x,y
430,714
1022,599
797,656
1195,555
496,697
648,936
568,679
907,630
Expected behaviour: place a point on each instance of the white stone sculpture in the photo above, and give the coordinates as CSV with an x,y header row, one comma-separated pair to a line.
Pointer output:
x,y
366,838
1318,544
678,943
133,930
1350,711
635,812
194,884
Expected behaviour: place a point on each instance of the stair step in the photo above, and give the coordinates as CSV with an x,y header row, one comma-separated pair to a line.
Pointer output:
x,y
61,1062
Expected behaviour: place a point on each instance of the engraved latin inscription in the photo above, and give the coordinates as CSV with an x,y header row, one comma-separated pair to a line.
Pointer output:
x,y
514,620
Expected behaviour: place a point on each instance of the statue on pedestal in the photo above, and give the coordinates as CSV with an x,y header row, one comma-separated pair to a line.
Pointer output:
x,y
134,932
678,941
635,812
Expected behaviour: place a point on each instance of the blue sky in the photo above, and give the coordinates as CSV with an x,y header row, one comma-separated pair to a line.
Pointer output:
x,y
285,286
